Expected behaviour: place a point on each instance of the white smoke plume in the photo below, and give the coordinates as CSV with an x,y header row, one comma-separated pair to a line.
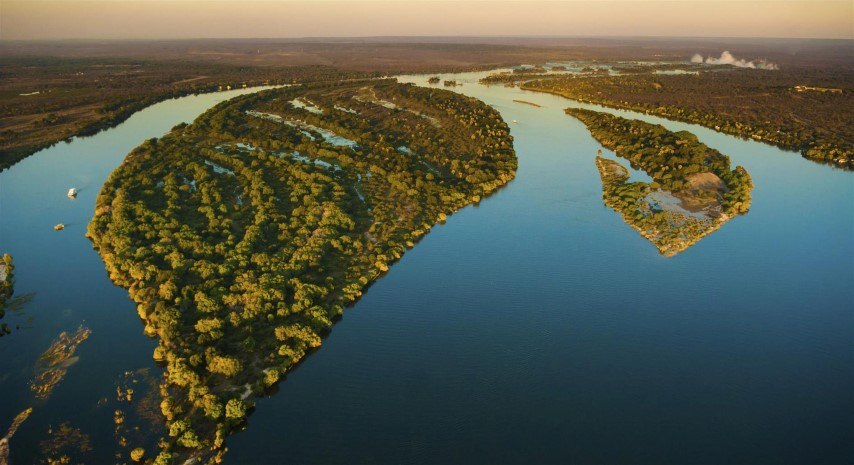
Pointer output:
x,y
727,58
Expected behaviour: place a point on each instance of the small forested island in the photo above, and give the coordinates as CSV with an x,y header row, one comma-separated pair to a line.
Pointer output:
x,y
511,78
525,102
693,190
777,107
244,235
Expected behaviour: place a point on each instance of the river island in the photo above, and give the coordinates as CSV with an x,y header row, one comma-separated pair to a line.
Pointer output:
x,y
693,191
243,235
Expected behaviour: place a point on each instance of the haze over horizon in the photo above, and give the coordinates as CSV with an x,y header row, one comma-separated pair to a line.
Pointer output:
x,y
225,19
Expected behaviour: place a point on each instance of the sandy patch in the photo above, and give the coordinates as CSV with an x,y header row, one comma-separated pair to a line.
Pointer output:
x,y
706,181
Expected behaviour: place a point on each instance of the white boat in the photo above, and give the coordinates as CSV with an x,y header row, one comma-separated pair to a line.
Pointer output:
x,y
72,192
516,122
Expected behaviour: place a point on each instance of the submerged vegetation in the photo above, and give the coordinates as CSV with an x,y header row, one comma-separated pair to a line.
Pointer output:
x,y
774,107
693,190
244,235
136,414
55,361
62,443
50,369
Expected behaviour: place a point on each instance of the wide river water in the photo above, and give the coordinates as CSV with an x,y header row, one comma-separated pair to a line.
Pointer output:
x,y
536,327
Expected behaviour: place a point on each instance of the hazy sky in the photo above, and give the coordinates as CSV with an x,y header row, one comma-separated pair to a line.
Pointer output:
x,y
152,19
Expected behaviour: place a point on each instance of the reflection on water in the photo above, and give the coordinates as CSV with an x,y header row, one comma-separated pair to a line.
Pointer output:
x,y
16,317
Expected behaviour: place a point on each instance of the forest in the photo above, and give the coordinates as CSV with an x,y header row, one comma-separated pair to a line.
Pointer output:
x,y
693,190
788,108
243,236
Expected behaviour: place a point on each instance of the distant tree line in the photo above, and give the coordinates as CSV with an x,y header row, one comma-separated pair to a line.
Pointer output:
x,y
766,106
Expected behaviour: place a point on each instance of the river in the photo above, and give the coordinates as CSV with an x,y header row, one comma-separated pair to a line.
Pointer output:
x,y
536,327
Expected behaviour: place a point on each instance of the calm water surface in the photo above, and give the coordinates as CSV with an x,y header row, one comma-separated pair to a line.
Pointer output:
x,y
68,283
536,327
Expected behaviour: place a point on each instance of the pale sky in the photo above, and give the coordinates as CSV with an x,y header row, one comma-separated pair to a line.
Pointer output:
x,y
183,19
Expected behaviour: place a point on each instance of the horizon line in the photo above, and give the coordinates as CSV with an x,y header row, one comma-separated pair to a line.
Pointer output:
x,y
420,36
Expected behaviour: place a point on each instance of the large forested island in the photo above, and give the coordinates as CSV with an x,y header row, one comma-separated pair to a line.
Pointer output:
x,y
693,190
806,110
244,235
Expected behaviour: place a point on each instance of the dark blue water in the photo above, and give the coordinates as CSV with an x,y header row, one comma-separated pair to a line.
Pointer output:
x,y
536,327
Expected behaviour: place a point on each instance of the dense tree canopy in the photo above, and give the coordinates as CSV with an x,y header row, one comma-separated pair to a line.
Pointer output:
x,y
242,236
693,191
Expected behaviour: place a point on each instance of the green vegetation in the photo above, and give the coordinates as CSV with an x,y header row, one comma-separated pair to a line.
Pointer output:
x,y
693,192
244,235
7,288
511,78
137,454
768,106
13,428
